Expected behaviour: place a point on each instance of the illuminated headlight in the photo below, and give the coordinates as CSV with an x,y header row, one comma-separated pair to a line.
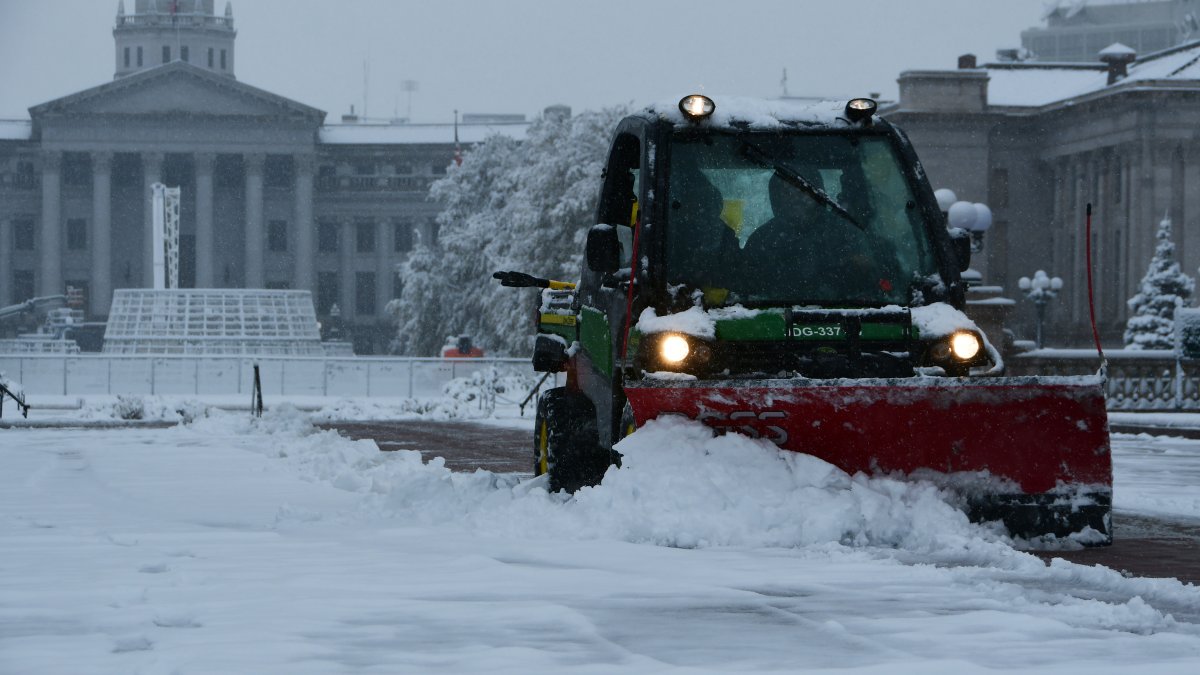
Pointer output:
x,y
964,346
859,109
674,349
696,107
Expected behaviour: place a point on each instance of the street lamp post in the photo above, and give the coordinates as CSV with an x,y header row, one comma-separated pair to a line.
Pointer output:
x,y
1040,290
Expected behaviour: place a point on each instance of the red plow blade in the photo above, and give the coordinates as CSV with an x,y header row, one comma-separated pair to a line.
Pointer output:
x,y
1045,437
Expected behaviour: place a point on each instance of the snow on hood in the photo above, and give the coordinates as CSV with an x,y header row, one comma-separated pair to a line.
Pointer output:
x,y
939,320
695,322
757,113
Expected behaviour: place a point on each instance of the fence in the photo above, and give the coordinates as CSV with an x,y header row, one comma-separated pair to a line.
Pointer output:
x,y
1149,380
1138,380
208,375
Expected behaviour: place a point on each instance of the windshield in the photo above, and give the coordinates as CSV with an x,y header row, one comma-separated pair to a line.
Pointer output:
x,y
794,219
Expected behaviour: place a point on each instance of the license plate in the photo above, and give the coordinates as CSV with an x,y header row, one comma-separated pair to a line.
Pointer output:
x,y
818,332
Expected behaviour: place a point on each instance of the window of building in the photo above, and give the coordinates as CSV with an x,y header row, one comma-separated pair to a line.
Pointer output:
x,y
139,57
76,234
364,293
403,236
279,285
76,169
277,239
397,285
1118,185
998,192
222,59
327,291
166,53
22,285
127,57
438,169
210,58
183,52
327,237
433,232
365,168
23,234
277,171
364,231
403,168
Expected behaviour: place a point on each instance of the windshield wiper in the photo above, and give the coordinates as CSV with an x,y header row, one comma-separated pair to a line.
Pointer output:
x,y
785,172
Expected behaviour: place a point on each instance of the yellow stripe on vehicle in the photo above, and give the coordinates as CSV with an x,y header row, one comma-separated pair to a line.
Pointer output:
x,y
558,319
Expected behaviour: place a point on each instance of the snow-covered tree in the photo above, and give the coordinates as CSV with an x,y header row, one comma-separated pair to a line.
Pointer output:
x,y
510,206
1151,322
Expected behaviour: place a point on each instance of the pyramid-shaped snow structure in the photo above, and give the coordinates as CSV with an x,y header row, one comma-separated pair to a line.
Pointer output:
x,y
215,321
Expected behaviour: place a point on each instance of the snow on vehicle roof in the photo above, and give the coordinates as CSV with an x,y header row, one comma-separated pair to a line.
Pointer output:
x,y
1041,84
757,113
417,134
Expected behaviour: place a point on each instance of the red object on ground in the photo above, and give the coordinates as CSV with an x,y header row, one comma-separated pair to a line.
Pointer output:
x,y
1042,435
456,353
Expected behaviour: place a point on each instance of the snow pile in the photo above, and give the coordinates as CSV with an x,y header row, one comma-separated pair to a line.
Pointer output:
x,y
145,408
371,409
679,486
474,396
12,385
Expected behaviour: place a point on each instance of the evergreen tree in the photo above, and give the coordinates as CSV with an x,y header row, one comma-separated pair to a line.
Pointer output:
x,y
510,206
1151,323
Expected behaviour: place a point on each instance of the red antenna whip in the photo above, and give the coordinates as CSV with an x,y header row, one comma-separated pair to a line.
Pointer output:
x,y
1091,292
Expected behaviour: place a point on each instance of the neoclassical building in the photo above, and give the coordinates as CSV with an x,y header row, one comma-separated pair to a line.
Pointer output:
x,y
1038,141
272,196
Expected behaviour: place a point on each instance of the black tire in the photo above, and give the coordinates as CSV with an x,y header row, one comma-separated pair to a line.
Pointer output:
x,y
565,442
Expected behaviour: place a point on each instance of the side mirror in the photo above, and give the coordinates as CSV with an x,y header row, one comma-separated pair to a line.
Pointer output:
x,y
960,241
603,249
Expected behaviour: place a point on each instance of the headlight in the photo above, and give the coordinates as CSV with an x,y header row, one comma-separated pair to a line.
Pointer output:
x,y
674,349
859,109
964,346
696,107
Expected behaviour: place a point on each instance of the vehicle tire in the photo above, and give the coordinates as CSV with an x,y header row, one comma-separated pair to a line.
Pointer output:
x,y
566,445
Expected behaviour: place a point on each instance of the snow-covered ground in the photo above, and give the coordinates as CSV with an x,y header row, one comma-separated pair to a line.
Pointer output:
x,y
269,547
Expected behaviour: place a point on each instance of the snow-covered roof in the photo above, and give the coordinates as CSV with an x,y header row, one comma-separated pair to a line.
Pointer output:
x,y
757,113
1041,84
15,130
416,134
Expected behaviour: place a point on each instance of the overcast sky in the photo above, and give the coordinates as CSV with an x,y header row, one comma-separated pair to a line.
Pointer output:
x,y
518,56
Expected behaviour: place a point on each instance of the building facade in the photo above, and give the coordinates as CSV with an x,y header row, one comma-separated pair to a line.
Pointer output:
x,y
1038,142
1076,30
272,196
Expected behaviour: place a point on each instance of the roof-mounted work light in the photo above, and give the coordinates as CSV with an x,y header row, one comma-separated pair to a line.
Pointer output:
x,y
859,109
696,107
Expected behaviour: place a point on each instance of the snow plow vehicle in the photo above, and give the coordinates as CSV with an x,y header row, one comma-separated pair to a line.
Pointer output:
x,y
785,272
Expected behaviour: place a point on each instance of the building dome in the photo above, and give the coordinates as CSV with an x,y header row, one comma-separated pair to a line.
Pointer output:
x,y
162,31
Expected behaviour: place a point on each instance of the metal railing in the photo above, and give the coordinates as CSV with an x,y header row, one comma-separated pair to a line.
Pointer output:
x,y
101,374
374,183
1147,380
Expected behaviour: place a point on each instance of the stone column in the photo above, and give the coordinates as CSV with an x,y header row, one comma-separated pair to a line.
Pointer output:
x,y
304,261
383,264
50,247
346,249
255,238
205,233
101,290
151,173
